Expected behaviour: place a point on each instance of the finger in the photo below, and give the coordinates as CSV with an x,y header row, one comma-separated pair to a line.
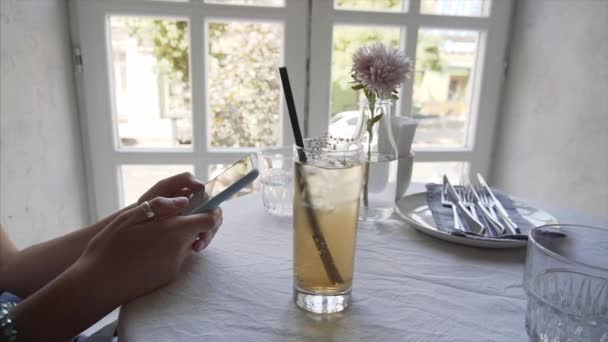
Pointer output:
x,y
208,238
124,218
185,192
211,234
219,216
183,180
171,185
188,227
219,213
200,243
198,246
160,207
216,216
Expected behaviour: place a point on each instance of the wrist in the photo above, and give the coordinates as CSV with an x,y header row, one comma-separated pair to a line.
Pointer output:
x,y
66,306
8,330
98,279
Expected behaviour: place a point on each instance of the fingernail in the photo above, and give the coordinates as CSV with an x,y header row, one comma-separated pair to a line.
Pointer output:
x,y
198,246
180,201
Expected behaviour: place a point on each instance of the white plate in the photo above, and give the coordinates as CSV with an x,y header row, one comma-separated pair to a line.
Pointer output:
x,y
415,210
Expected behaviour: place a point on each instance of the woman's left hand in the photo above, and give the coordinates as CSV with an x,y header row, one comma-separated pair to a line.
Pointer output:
x,y
129,257
181,185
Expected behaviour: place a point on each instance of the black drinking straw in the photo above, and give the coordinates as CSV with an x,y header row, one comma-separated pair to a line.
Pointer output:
x,y
317,234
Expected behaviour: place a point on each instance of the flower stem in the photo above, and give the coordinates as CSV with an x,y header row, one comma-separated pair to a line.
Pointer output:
x,y
371,100
366,180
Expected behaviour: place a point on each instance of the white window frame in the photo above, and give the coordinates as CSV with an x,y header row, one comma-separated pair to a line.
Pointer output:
x,y
487,81
90,37
308,31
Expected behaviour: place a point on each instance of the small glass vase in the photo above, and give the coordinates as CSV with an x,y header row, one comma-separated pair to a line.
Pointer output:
x,y
381,158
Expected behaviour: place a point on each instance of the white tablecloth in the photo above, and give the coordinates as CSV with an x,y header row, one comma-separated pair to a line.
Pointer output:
x,y
407,287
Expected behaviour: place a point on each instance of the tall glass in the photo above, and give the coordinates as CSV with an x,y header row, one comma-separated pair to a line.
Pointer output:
x,y
328,176
566,280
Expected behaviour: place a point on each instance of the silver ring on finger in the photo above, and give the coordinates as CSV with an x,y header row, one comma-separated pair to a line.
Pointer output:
x,y
147,210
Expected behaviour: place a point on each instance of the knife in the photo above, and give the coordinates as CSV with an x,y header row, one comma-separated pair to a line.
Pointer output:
x,y
473,225
501,210
446,202
493,225
506,236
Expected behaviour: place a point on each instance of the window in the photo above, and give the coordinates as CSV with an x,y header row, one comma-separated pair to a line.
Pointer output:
x,y
192,85
458,50
243,88
441,57
151,81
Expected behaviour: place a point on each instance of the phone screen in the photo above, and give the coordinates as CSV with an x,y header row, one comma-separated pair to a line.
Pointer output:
x,y
229,176
218,184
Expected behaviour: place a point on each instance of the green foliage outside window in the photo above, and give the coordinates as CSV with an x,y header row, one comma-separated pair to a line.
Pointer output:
x,y
243,86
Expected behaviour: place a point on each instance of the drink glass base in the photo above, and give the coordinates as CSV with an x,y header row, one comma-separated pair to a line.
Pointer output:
x,y
374,214
321,304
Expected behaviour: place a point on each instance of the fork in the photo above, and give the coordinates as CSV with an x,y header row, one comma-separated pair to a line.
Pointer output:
x,y
467,200
495,228
488,202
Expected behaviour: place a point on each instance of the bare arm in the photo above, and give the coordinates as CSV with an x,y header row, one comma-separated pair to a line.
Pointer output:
x,y
130,257
7,251
24,272
73,281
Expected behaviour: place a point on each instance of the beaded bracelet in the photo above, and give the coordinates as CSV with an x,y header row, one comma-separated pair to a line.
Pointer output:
x,y
7,327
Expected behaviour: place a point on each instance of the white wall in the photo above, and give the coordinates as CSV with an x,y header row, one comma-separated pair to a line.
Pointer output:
x,y
553,141
42,187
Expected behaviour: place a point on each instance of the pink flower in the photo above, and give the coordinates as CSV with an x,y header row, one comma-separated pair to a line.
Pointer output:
x,y
381,69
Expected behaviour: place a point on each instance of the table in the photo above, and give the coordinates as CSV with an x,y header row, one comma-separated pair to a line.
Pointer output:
x,y
407,287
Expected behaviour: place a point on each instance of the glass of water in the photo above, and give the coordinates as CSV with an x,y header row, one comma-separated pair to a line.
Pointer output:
x,y
566,280
276,168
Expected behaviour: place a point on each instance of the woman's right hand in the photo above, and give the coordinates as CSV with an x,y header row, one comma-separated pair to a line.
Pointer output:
x,y
131,256
134,255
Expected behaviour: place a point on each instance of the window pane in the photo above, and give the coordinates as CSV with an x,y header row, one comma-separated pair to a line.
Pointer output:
x,y
267,3
344,100
137,179
467,8
426,172
372,5
244,89
151,83
445,69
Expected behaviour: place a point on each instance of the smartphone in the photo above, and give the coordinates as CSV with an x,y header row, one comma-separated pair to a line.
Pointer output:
x,y
224,186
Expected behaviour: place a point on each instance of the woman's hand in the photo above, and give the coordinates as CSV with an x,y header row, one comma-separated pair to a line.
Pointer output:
x,y
143,254
130,257
181,185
